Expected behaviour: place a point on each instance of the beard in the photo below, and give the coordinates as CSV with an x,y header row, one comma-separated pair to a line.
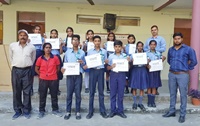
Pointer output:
x,y
177,44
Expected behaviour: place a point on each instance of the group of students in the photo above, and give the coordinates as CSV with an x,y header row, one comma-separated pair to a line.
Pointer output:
x,y
48,65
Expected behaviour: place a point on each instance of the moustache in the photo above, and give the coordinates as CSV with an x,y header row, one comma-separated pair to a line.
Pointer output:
x,y
22,39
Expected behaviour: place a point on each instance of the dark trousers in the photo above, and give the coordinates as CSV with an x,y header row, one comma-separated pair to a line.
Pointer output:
x,y
43,88
117,85
21,82
96,75
74,84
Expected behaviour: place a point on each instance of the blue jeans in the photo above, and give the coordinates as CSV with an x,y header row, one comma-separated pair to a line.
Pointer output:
x,y
178,81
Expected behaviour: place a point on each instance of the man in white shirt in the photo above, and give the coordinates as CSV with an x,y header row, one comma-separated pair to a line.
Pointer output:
x,y
22,56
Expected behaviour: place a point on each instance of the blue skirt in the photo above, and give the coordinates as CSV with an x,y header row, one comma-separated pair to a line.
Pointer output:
x,y
154,80
38,54
139,78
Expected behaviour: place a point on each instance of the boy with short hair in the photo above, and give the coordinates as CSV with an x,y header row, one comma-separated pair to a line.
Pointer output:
x,y
117,82
74,82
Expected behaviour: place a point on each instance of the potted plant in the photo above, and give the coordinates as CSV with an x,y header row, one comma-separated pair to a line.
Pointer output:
x,y
195,97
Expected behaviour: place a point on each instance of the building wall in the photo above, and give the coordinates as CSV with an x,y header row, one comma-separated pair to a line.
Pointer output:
x,y
62,15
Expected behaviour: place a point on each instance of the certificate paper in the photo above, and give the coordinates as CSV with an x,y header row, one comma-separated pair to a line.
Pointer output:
x,y
132,48
54,42
90,45
69,42
72,68
110,46
121,65
139,58
156,65
93,60
35,39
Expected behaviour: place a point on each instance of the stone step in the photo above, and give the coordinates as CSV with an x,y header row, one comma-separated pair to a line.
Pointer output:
x,y
6,105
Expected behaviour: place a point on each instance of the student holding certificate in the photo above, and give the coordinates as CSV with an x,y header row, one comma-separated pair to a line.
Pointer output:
x,y
70,32
74,82
47,67
154,77
39,52
96,75
110,40
117,82
57,52
138,79
127,49
89,40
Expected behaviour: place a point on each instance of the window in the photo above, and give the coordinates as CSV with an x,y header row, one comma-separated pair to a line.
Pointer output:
x,y
88,19
27,20
128,21
1,27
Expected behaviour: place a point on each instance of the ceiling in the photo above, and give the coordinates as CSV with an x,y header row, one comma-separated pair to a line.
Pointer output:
x,y
177,4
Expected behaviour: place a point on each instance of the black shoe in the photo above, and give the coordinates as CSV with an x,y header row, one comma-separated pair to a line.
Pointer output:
x,y
40,115
78,116
59,92
122,115
16,115
89,116
108,91
87,90
157,93
126,91
134,107
181,119
104,115
153,105
168,114
67,116
145,92
112,114
141,106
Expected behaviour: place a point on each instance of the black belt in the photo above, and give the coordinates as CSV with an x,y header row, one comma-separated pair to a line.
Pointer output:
x,y
179,72
22,68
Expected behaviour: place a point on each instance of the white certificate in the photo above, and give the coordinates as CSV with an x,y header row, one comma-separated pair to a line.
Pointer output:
x,y
132,48
121,65
110,46
54,42
156,65
93,60
90,45
35,39
72,68
69,42
139,58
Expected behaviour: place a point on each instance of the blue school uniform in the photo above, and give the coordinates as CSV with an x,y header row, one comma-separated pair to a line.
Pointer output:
x,y
74,82
108,53
117,85
39,52
97,75
139,77
154,77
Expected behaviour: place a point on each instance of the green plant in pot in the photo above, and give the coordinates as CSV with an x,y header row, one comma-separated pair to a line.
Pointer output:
x,y
195,96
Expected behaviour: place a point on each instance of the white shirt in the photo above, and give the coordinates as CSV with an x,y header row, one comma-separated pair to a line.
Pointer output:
x,y
22,56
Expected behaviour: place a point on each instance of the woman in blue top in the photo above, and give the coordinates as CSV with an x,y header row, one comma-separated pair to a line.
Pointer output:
x,y
131,40
89,38
57,52
111,37
138,79
70,32
39,52
154,77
